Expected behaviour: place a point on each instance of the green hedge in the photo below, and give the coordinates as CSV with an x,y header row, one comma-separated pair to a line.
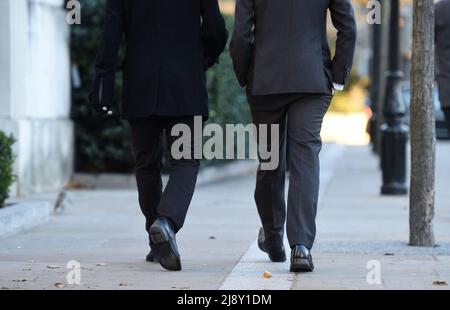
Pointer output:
x,y
6,166
105,144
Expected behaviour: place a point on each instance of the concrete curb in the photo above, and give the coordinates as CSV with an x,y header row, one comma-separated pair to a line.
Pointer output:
x,y
206,176
23,216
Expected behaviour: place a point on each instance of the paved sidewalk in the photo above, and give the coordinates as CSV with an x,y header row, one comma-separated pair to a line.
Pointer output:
x,y
104,232
357,226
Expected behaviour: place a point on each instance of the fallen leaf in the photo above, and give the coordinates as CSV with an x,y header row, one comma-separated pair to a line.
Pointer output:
x,y
20,280
440,283
59,285
267,275
89,269
53,267
101,265
78,185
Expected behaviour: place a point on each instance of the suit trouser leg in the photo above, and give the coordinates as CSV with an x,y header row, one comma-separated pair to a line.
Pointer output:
x,y
148,151
180,187
174,202
270,184
305,117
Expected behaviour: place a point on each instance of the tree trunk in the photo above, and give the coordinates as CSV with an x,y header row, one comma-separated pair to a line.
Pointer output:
x,y
423,136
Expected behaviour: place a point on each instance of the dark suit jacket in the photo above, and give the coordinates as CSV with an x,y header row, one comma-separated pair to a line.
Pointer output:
x,y
169,44
442,9
281,46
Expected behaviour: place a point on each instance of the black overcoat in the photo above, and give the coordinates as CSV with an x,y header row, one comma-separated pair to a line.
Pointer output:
x,y
169,45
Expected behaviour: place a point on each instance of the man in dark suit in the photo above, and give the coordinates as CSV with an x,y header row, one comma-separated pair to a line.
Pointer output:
x,y
281,54
442,29
169,46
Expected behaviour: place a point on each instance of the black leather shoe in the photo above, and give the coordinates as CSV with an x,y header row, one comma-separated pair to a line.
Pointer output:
x,y
163,236
276,254
301,259
152,257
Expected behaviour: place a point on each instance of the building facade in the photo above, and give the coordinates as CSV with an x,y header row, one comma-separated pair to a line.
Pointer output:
x,y
35,92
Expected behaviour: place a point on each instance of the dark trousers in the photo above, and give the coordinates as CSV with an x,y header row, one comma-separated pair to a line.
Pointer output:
x,y
447,117
174,202
300,119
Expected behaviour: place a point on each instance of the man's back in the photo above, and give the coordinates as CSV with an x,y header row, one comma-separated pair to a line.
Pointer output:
x,y
289,47
169,45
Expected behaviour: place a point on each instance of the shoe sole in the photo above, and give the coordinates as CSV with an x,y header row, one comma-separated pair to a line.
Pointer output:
x,y
278,260
169,257
301,265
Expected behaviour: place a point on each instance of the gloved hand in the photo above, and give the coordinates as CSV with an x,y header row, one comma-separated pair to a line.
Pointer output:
x,y
101,109
100,97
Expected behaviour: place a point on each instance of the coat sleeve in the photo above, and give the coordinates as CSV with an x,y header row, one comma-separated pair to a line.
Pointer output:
x,y
343,18
242,40
102,92
214,32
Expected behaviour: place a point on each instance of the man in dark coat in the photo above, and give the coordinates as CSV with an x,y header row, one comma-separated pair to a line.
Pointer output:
x,y
442,10
169,46
281,54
